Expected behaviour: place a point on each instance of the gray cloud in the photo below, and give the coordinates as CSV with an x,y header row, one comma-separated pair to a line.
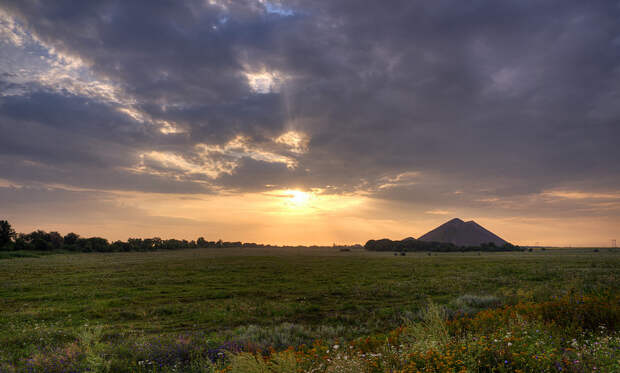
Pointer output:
x,y
510,97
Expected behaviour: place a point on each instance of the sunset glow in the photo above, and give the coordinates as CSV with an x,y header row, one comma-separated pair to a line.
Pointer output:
x,y
298,198
184,184
310,122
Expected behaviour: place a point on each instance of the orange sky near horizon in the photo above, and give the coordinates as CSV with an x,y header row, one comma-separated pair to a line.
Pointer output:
x,y
295,217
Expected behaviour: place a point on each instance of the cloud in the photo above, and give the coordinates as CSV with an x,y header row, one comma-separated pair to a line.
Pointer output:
x,y
297,142
575,194
440,212
501,102
460,89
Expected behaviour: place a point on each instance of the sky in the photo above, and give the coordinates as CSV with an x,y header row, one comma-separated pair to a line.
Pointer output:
x,y
311,122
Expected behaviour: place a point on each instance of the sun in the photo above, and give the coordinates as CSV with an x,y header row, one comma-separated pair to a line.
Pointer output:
x,y
298,198
295,202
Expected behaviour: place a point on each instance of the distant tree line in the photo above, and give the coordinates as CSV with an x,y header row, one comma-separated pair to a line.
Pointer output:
x,y
40,240
411,244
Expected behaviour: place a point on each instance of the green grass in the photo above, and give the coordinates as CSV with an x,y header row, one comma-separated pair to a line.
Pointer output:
x,y
44,300
26,254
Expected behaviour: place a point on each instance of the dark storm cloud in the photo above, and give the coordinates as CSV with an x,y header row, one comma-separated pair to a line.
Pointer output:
x,y
62,129
251,115
163,52
499,98
50,137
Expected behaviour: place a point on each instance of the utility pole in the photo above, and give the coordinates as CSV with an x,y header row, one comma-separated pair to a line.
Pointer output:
x,y
613,243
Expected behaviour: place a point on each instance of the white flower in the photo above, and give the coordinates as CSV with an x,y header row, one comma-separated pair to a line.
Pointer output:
x,y
336,347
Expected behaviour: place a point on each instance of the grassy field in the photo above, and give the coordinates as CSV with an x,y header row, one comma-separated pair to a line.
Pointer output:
x,y
45,301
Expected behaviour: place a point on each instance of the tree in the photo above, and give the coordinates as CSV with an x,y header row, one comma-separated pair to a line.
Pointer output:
x,y
7,233
201,242
71,238
56,240
22,242
39,240
98,244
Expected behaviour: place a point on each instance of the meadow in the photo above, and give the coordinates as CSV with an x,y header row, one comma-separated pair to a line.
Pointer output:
x,y
209,309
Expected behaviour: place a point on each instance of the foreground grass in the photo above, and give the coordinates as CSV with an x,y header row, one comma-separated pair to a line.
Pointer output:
x,y
130,307
554,336
572,334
